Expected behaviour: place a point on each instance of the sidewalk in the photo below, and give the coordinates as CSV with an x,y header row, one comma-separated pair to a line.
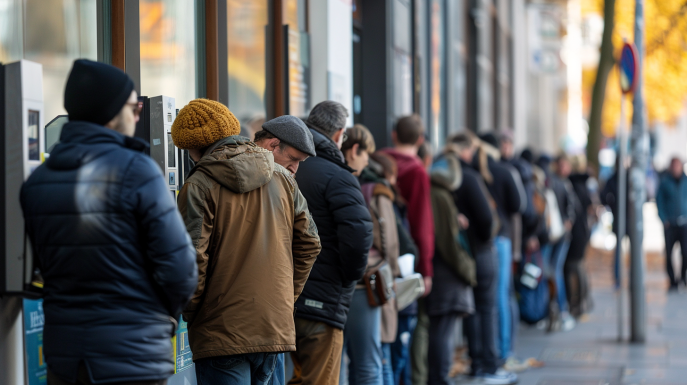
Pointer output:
x,y
590,353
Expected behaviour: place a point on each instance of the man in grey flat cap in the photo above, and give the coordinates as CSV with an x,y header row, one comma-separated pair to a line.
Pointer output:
x,y
291,143
289,139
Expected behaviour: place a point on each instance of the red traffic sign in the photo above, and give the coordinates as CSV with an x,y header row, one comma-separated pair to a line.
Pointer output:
x,y
628,68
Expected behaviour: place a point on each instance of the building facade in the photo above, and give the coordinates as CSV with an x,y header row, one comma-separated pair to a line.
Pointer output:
x,y
460,64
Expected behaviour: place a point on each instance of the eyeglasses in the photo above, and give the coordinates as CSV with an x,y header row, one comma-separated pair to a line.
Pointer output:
x,y
345,137
137,107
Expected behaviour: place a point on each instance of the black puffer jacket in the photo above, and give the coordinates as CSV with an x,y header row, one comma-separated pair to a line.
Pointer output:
x,y
117,261
345,228
507,190
472,200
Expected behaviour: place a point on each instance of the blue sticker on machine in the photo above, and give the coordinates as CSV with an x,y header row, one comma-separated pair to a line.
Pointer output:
x,y
182,350
36,368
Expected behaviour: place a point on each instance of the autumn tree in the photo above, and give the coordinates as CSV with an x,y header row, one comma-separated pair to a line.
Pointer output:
x,y
665,64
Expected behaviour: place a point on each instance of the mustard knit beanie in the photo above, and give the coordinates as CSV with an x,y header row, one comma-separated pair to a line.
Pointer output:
x,y
201,123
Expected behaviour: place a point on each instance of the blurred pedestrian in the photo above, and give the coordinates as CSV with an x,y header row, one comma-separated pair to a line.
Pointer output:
x,y
241,316
557,180
117,262
414,186
454,272
576,283
473,200
290,142
377,181
609,197
671,201
345,227
505,186
396,364
363,330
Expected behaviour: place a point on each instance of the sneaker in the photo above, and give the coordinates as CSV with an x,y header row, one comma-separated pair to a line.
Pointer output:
x,y
567,322
501,377
514,365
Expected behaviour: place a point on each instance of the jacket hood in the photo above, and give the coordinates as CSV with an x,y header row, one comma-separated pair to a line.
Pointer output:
x,y
447,173
327,149
237,164
82,142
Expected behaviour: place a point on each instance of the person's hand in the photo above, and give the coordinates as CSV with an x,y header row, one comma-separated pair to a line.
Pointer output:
x,y
568,226
428,285
463,222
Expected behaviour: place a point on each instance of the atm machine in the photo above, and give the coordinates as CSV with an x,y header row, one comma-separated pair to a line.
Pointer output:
x,y
155,127
21,151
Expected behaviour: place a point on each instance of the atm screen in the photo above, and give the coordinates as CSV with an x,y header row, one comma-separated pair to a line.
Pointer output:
x,y
34,136
171,152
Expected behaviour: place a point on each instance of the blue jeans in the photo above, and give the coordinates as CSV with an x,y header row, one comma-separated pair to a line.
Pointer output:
x,y
558,255
279,373
505,255
240,369
362,342
387,368
400,350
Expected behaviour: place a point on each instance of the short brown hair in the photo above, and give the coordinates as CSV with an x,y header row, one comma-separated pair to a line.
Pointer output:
x,y
409,129
361,136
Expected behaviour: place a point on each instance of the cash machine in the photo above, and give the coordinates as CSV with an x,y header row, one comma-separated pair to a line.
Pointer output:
x,y
21,151
155,127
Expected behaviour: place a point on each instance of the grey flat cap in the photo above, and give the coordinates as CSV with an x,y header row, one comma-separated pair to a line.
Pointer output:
x,y
292,131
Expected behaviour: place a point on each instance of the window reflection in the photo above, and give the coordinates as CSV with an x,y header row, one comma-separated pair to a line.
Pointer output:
x,y
53,33
168,49
299,57
246,24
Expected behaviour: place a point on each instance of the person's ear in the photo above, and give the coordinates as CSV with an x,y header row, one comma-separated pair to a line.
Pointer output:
x,y
420,140
273,144
393,137
354,150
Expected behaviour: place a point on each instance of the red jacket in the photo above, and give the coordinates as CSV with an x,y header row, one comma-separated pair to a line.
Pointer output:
x,y
414,186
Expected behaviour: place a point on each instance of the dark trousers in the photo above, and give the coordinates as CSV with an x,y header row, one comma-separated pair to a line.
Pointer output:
x,y
239,369
480,328
577,286
675,234
441,346
83,379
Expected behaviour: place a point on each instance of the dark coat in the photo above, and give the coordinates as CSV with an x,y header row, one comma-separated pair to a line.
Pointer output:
x,y
117,261
671,200
507,191
454,269
609,197
472,200
581,231
345,228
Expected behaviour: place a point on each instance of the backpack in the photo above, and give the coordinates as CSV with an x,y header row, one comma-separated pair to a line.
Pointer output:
x,y
533,301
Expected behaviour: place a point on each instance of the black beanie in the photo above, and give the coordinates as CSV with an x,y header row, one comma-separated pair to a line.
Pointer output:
x,y
96,92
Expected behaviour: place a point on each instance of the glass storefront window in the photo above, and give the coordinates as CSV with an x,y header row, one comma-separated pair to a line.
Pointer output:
x,y
299,57
53,33
437,76
168,49
246,25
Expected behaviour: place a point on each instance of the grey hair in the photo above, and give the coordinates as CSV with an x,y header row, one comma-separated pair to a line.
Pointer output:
x,y
328,117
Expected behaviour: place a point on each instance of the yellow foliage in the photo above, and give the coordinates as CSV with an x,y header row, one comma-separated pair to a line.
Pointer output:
x,y
665,64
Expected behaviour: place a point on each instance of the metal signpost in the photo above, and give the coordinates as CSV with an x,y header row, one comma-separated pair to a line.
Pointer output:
x,y
628,83
640,153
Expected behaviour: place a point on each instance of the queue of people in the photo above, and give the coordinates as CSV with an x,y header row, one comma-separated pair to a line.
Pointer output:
x,y
359,262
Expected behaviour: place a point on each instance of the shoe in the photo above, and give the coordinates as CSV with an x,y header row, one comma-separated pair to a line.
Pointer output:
x,y
567,322
514,365
501,377
673,287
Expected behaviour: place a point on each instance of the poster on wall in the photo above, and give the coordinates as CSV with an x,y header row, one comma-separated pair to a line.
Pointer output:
x,y
36,368
183,358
